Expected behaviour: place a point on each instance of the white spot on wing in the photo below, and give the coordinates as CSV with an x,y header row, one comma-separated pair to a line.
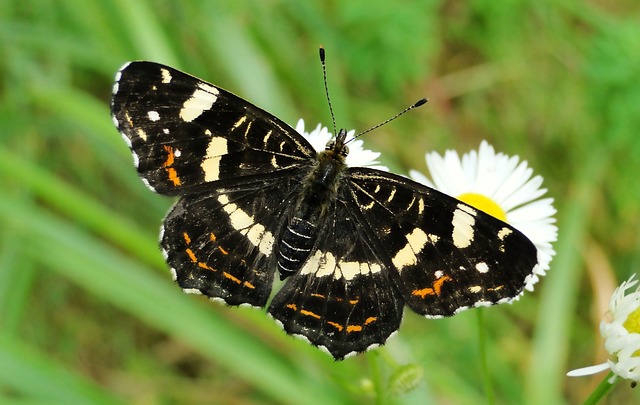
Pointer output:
x,y
326,264
153,116
166,76
367,207
482,267
240,121
117,124
245,223
406,256
200,101
118,77
463,223
142,134
211,163
351,269
504,232
146,183
393,193
258,236
266,137
322,264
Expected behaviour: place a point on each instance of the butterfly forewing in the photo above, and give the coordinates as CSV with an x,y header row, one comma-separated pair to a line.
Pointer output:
x,y
185,133
449,256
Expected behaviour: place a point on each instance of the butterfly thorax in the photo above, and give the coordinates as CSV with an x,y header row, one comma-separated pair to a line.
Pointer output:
x,y
320,188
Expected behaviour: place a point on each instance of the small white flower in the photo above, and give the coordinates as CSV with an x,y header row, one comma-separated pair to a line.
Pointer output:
x,y
502,186
621,334
357,157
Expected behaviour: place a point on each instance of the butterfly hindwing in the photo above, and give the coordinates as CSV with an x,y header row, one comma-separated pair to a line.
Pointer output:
x,y
220,244
343,298
184,132
449,256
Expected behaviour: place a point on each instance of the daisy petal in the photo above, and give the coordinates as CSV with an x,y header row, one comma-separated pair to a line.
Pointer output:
x,y
588,370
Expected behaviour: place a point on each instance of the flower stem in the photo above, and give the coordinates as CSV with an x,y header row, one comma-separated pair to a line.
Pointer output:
x,y
601,390
484,367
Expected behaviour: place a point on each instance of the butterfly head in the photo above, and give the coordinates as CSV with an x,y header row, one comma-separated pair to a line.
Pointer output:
x,y
338,146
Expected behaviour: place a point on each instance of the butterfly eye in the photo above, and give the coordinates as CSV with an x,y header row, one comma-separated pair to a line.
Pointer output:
x,y
330,145
345,151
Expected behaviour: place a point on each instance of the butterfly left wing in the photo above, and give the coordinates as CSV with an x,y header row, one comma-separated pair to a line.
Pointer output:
x,y
221,243
233,164
447,255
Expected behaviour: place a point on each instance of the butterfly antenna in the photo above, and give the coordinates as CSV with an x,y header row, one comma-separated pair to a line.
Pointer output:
x,y
326,88
411,107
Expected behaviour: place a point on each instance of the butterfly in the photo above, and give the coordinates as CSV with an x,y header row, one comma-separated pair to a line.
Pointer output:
x,y
354,245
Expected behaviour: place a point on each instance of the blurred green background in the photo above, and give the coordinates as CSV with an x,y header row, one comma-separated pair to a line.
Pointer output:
x,y
88,311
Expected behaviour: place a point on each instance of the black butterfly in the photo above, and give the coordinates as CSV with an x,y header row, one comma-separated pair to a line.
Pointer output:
x,y
354,244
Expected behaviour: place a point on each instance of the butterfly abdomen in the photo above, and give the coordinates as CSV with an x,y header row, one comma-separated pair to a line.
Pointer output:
x,y
295,246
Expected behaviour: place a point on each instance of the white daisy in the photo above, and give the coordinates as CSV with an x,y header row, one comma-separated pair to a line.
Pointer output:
x,y
502,186
621,333
357,157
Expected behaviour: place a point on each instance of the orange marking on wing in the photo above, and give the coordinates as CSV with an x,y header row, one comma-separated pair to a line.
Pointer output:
x,y
186,237
248,285
170,156
204,266
318,295
336,325
212,237
192,255
173,174
353,302
231,277
354,328
224,252
292,306
437,287
370,319
309,313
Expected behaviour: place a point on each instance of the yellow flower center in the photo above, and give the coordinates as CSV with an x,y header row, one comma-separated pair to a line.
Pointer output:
x,y
485,204
632,325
